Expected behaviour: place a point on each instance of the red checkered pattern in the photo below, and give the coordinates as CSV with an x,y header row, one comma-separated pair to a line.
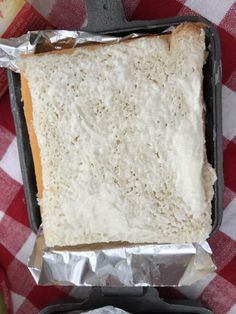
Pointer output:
x,y
218,290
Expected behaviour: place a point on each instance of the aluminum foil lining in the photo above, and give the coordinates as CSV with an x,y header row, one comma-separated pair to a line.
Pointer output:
x,y
48,40
41,41
121,265
104,264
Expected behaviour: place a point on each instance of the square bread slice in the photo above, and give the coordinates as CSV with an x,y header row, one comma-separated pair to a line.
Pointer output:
x,y
117,135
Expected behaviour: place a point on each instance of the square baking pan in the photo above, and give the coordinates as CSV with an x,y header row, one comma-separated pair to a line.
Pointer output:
x,y
107,17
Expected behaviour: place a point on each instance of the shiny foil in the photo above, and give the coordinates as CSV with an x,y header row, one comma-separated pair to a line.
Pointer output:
x,y
121,264
115,264
41,41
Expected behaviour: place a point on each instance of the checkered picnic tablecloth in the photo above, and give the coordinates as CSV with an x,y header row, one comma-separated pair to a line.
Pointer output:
x,y
217,291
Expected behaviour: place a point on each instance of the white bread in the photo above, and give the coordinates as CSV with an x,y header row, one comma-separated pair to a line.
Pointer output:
x,y
121,136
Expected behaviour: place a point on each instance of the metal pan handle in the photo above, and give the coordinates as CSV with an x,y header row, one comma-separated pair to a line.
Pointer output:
x,y
107,15
104,15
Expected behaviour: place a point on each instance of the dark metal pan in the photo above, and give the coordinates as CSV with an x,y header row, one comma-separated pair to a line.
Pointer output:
x,y
107,17
133,300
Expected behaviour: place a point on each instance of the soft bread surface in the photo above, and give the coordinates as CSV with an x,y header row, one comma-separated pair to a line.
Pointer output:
x,y
120,135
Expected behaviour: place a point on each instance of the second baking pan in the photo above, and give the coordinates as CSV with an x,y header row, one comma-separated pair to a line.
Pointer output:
x,y
107,17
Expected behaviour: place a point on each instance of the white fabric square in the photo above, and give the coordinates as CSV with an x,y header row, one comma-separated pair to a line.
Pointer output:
x,y
1,215
196,289
232,310
26,249
229,220
10,162
17,301
214,10
229,112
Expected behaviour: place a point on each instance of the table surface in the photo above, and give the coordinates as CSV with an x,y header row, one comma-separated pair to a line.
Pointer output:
x,y
218,290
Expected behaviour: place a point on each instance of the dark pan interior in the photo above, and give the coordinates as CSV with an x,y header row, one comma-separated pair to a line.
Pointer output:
x,y
133,300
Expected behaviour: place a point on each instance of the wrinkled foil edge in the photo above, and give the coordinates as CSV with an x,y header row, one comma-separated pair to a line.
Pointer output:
x,y
11,49
130,266
133,265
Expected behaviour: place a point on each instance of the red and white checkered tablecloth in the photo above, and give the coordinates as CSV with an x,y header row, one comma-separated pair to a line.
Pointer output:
x,y
218,290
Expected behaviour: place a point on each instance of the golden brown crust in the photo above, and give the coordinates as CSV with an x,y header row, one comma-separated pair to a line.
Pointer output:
x,y
178,31
33,139
186,27
66,50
